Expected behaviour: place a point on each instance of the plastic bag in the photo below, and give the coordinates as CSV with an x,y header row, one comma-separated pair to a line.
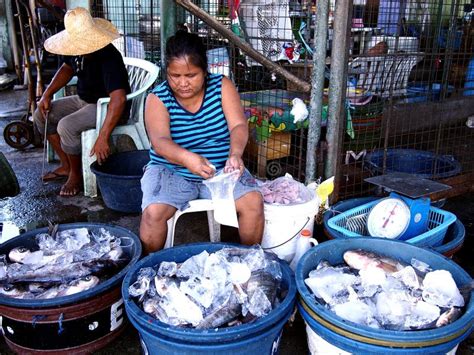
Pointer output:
x,y
285,191
222,192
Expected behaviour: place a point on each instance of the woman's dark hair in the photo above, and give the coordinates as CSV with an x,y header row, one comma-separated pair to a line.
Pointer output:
x,y
186,44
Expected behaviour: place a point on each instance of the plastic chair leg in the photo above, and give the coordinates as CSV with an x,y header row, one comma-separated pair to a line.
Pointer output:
x,y
214,227
90,185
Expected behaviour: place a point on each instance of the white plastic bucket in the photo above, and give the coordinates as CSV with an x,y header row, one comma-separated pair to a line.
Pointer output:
x,y
284,222
318,346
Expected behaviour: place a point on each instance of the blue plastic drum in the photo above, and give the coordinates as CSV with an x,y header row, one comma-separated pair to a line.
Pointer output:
x,y
358,338
259,337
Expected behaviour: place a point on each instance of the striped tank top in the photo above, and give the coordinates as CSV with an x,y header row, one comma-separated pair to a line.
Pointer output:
x,y
204,132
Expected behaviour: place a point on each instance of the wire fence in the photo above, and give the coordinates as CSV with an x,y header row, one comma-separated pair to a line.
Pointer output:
x,y
410,82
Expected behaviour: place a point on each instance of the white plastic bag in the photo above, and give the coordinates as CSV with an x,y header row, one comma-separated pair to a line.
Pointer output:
x,y
222,192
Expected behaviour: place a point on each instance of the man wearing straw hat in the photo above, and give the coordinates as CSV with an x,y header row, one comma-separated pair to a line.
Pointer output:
x,y
98,65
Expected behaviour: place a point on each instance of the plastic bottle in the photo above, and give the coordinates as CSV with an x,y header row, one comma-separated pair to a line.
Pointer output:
x,y
303,244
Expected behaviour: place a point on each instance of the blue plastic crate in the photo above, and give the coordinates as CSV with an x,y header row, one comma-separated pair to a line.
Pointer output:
x,y
353,222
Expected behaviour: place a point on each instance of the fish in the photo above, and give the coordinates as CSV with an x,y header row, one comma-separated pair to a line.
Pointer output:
x,y
80,285
16,255
13,291
223,313
361,259
448,317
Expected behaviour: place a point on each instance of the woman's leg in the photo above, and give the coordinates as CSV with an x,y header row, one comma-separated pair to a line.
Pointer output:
x,y
251,218
154,227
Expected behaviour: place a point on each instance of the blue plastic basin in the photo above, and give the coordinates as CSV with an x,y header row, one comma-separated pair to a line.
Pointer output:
x,y
421,163
260,336
118,179
131,246
442,339
421,92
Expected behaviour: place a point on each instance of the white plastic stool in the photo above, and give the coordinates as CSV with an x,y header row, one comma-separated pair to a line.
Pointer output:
x,y
195,206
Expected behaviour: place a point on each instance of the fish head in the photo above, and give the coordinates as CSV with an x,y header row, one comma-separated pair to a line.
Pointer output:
x,y
359,259
11,291
17,254
88,282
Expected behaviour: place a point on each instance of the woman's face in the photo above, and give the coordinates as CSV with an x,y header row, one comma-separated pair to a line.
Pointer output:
x,y
185,79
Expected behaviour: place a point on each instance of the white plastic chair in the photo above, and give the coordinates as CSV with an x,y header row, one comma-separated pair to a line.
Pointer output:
x,y
381,74
142,74
195,206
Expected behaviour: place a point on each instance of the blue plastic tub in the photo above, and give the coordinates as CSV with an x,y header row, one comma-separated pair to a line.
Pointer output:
x,y
261,336
119,180
452,242
421,163
469,82
130,243
350,335
345,342
421,92
78,324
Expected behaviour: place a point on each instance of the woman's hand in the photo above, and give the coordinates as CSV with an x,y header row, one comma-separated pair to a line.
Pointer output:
x,y
199,165
234,162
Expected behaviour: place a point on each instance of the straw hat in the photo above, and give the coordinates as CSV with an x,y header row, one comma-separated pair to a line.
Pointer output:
x,y
83,34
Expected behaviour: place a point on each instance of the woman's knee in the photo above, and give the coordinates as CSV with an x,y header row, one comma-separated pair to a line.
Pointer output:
x,y
157,213
251,203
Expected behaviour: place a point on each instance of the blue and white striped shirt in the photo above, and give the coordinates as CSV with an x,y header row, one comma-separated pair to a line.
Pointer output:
x,y
204,132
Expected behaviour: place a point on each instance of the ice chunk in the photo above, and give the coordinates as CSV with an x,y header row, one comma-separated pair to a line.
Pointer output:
x,y
440,289
192,266
258,305
73,239
392,309
408,276
215,269
255,259
177,305
355,311
421,315
239,273
167,268
372,276
327,282
200,289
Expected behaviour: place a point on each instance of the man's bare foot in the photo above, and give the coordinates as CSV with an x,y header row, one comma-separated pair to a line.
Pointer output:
x,y
71,188
57,174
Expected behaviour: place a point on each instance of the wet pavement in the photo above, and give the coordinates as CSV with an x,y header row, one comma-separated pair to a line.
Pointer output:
x,y
39,203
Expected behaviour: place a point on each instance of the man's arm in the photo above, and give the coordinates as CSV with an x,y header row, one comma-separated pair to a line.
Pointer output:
x,y
101,149
60,79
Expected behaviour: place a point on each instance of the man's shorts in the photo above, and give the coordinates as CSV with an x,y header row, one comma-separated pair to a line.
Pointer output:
x,y
162,185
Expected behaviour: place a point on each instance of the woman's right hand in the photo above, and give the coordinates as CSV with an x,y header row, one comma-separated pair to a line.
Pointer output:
x,y
44,105
199,165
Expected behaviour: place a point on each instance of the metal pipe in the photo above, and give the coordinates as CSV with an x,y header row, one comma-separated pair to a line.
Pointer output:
x,y
167,28
243,46
317,83
26,61
13,40
337,86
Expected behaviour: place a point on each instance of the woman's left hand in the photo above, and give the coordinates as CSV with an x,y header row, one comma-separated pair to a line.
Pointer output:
x,y
234,163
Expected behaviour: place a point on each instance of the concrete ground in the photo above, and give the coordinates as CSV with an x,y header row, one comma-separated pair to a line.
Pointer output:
x,y
39,203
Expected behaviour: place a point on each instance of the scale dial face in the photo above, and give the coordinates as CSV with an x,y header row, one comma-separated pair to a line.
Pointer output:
x,y
389,218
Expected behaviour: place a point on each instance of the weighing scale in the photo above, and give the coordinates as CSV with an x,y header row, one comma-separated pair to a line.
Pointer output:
x,y
404,213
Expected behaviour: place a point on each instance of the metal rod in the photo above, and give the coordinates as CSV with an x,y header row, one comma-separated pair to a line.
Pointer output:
x,y
243,46
167,28
337,87
13,40
34,43
317,83
26,61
